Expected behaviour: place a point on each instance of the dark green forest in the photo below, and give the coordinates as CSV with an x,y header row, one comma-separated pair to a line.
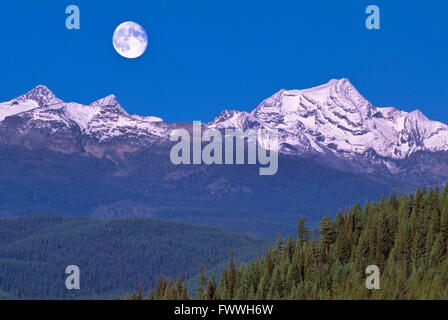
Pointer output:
x,y
146,184
113,256
406,236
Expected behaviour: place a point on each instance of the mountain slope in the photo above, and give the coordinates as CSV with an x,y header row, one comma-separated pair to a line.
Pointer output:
x,y
146,184
113,256
405,237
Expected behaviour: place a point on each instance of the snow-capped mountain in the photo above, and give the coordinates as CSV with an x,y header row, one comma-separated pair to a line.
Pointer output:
x,y
332,123
102,121
336,118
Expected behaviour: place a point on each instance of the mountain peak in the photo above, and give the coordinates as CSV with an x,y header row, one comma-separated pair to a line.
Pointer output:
x,y
342,87
335,94
229,119
40,94
110,103
347,94
108,100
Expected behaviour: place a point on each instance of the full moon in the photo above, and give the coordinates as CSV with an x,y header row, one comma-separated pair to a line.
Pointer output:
x,y
130,40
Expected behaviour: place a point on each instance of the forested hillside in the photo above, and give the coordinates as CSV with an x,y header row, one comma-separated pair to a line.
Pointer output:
x,y
113,256
146,184
405,236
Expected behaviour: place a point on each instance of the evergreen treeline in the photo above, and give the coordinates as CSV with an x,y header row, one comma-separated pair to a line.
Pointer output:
x,y
405,236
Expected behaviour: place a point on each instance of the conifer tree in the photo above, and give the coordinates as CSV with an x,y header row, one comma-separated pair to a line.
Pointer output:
x,y
406,236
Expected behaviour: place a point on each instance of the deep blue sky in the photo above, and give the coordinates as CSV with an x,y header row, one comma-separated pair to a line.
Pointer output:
x,y
205,56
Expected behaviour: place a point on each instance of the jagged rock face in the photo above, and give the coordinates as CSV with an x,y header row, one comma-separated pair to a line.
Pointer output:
x,y
332,123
